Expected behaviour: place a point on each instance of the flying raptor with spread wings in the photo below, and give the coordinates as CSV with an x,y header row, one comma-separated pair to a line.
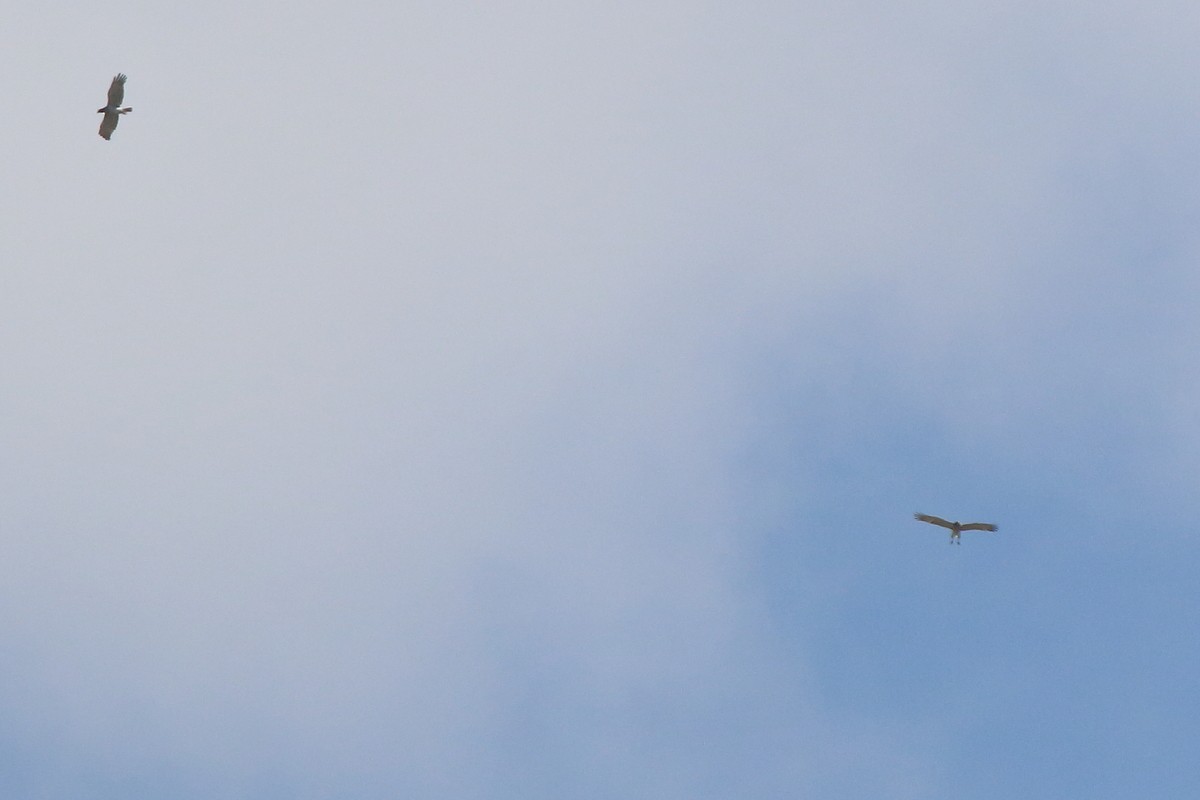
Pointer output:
x,y
113,111
956,528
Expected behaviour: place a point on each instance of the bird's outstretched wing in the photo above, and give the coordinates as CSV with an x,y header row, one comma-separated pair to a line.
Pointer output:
x,y
116,92
979,526
109,124
934,520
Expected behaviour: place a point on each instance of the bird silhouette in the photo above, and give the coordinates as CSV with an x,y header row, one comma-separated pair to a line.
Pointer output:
x,y
113,111
956,528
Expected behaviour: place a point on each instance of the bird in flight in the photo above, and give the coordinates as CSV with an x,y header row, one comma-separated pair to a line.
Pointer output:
x,y
956,528
113,111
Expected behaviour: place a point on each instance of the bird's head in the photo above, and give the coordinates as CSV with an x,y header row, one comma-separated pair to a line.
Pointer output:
x,y
101,110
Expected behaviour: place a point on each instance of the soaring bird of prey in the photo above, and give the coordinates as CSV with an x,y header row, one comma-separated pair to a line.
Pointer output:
x,y
113,111
956,528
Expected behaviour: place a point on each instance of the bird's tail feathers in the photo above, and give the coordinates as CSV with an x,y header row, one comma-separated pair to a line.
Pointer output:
x,y
125,110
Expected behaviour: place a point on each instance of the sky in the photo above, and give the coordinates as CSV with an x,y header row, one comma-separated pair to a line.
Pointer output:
x,y
531,400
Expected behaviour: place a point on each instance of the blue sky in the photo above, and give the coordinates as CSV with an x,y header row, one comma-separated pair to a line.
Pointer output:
x,y
532,401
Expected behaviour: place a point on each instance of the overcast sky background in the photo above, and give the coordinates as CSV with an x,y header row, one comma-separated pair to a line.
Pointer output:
x,y
531,400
